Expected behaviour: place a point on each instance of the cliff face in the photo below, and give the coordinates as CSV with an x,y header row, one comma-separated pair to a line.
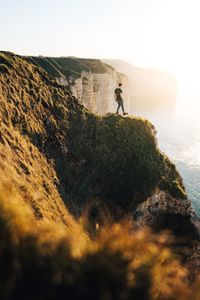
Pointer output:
x,y
91,81
161,211
96,91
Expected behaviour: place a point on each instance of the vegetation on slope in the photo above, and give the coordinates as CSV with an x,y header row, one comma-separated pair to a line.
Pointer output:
x,y
117,159
39,261
67,66
53,150
111,157
24,97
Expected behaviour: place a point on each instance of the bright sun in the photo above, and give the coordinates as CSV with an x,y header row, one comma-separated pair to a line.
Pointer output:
x,y
182,53
169,39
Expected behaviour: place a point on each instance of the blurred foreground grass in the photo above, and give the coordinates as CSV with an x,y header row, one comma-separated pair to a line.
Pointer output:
x,y
44,260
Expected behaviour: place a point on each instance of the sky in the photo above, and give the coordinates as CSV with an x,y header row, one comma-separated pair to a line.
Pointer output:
x,y
147,33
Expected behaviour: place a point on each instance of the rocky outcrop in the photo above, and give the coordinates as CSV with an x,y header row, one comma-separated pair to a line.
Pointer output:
x,y
161,204
163,212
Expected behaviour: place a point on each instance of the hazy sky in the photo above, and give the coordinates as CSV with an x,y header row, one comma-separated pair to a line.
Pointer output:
x,y
155,33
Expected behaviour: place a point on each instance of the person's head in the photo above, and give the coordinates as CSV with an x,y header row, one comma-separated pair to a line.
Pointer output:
x,y
120,84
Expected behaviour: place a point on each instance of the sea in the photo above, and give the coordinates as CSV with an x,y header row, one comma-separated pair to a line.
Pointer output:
x,y
178,136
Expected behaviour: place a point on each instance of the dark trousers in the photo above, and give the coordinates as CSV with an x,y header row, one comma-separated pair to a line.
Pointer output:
x,y
120,104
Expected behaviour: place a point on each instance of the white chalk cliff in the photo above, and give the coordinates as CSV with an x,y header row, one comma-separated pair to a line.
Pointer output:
x,y
96,90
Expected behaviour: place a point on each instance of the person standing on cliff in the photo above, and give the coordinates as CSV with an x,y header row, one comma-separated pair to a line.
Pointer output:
x,y
119,100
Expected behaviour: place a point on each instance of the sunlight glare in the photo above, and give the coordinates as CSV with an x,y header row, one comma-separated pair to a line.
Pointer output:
x,y
169,39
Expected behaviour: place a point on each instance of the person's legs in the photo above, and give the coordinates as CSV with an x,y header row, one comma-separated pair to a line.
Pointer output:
x,y
118,107
122,105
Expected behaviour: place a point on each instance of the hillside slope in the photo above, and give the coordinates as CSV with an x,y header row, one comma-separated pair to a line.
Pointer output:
x,y
56,157
86,156
74,66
